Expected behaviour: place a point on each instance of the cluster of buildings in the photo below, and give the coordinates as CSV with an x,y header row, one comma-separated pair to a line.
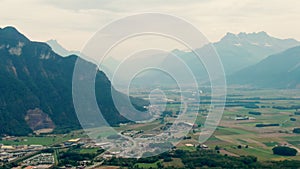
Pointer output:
x,y
10,153
132,143
137,142
243,118
43,160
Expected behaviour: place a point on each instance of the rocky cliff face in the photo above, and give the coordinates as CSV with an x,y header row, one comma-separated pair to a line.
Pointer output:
x,y
38,120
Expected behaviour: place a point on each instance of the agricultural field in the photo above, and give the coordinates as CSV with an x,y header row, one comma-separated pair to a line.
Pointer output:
x,y
44,140
244,128
239,127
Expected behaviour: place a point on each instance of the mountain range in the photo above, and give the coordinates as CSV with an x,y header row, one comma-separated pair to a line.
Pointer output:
x,y
36,81
255,59
36,88
238,51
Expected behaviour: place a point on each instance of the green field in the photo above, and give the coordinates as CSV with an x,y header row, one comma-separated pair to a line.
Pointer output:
x,y
88,150
43,140
36,140
147,165
176,162
230,133
186,148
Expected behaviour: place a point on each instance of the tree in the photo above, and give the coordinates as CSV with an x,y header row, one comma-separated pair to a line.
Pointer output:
x,y
168,159
248,159
159,165
284,151
296,130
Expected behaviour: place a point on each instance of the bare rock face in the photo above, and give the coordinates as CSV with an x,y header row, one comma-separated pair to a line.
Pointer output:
x,y
38,120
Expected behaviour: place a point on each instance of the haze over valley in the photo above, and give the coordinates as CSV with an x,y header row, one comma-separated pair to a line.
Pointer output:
x,y
149,84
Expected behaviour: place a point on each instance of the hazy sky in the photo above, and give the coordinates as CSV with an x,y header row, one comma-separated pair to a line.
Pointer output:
x,y
73,22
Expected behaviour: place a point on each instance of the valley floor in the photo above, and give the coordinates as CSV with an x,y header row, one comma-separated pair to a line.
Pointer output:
x,y
253,123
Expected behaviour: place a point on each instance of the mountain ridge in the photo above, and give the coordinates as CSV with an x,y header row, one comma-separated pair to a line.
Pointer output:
x,y
59,49
279,70
241,50
38,78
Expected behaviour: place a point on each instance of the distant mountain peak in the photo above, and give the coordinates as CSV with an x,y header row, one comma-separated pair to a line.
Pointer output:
x,y
53,40
229,35
260,38
263,33
59,49
232,36
255,34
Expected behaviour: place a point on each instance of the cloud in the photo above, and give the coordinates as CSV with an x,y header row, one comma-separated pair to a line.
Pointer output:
x,y
116,5
73,22
78,4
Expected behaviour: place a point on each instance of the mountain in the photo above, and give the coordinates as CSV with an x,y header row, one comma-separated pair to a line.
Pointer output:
x,y
36,81
241,50
236,51
60,50
108,65
280,70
